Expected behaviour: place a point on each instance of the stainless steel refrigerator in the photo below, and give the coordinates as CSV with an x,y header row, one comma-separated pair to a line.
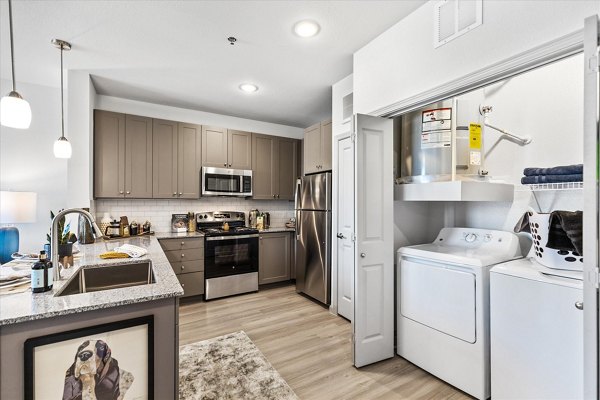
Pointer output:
x,y
313,236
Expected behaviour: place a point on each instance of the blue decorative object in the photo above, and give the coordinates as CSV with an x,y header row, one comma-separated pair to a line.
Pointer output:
x,y
9,243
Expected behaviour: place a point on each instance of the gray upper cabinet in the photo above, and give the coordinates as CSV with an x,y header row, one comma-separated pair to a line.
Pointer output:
x,y
165,159
138,157
317,148
274,167
176,160
264,154
274,257
214,147
188,160
122,155
226,148
109,154
287,164
239,149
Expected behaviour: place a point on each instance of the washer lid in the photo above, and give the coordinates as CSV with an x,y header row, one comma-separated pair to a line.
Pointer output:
x,y
528,268
455,255
468,246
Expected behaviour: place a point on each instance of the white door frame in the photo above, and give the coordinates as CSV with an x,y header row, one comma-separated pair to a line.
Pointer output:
x,y
591,208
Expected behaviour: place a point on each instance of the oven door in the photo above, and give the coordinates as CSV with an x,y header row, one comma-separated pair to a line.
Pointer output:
x,y
230,255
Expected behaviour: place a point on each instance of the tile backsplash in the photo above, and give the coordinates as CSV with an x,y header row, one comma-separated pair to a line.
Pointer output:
x,y
158,212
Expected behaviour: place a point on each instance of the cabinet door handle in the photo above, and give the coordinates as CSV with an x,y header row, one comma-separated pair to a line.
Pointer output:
x,y
128,192
181,193
182,267
182,243
182,255
183,285
229,165
174,193
120,192
225,164
579,305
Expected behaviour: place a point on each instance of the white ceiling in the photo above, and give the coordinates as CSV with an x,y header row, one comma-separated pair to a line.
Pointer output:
x,y
176,52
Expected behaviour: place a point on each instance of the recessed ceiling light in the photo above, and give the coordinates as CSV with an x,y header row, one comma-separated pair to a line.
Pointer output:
x,y
248,87
306,28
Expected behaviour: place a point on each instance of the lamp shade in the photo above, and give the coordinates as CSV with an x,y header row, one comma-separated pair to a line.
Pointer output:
x,y
18,207
14,111
62,148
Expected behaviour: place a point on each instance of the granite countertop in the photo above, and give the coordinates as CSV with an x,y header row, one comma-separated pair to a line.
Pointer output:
x,y
275,229
27,306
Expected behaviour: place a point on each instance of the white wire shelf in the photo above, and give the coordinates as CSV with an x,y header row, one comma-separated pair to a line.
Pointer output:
x,y
539,187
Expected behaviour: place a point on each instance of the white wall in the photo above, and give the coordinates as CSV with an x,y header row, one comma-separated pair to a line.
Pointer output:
x,y
127,106
402,61
27,162
79,107
547,104
158,212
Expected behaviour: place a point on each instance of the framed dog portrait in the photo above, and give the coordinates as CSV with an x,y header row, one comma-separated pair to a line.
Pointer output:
x,y
112,361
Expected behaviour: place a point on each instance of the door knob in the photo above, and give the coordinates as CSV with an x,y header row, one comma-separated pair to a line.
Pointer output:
x,y
362,255
579,305
341,236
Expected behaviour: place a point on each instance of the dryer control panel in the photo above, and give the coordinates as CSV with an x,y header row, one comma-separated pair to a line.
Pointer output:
x,y
478,239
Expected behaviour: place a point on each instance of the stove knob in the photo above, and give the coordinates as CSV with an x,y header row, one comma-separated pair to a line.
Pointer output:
x,y
470,238
487,237
205,216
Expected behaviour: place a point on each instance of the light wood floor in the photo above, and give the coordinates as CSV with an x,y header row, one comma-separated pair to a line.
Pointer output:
x,y
309,347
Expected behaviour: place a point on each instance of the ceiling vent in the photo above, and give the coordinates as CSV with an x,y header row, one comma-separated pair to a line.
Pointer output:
x,y
454,18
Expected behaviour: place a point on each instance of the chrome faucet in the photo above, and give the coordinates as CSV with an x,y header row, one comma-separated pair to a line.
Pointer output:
x,y
54,235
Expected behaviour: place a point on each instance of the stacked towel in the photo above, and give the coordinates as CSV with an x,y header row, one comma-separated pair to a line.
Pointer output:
x,y
566,231
560,174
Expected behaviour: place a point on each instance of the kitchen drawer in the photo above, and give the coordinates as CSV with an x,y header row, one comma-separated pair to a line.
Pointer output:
x,y
188,266
185,255
181,244
192,284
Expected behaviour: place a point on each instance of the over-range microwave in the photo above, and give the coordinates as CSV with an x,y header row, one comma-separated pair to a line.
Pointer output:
x,y
226,182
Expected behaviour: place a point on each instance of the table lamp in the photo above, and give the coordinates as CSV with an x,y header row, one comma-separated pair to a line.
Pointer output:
x,y
15,208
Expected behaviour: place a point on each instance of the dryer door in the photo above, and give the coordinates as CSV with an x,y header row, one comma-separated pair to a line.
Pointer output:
x,y
439,296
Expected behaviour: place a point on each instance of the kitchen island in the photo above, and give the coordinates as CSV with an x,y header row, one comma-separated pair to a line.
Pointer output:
x,y
32,315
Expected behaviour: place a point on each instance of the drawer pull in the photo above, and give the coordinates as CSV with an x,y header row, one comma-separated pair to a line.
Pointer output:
x,y
182,267
183,285
182,243
182,255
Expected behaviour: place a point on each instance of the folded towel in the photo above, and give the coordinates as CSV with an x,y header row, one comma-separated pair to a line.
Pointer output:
x,y
560,170
113,254
131,250
566,231
531,180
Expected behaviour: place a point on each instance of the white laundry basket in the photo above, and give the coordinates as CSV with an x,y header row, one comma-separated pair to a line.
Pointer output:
x,y
539,224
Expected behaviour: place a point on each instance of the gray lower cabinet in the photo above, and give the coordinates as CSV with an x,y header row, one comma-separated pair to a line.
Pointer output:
x,y
274,257
186,256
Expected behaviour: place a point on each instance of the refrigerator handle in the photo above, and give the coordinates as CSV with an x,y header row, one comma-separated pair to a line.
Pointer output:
x,y
297,193
297,225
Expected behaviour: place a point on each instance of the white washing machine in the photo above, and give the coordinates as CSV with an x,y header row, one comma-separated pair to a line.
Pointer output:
x,y
536,332
443,304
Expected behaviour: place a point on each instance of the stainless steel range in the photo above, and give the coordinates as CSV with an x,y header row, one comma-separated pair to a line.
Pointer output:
x,y
230,253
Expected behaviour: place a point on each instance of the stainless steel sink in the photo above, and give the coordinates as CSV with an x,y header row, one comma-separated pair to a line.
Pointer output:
x,y
95,279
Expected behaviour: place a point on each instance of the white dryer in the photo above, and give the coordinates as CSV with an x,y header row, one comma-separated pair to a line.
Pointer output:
x,y
443,304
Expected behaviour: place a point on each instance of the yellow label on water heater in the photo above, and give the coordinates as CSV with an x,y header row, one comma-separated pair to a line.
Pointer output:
x,y
474,136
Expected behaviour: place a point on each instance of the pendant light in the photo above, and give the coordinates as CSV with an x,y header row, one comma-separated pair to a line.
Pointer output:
x,y
62,147
15,112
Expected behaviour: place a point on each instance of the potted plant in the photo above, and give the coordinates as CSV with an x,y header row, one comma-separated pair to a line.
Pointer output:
x,y
65,238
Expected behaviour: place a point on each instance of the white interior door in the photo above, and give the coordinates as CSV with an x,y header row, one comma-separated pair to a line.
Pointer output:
x,y
345,226
591,208
373,323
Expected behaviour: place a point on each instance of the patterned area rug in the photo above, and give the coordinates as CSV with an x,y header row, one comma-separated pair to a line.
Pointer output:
x,y
229,367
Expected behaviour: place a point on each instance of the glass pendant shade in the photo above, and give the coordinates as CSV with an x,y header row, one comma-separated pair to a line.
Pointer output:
x,y
62,148
14,111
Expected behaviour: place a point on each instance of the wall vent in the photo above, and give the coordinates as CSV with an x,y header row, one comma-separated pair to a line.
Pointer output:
x,y
454,18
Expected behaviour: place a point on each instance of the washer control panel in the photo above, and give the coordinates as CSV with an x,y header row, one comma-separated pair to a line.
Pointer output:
x,y
475,238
